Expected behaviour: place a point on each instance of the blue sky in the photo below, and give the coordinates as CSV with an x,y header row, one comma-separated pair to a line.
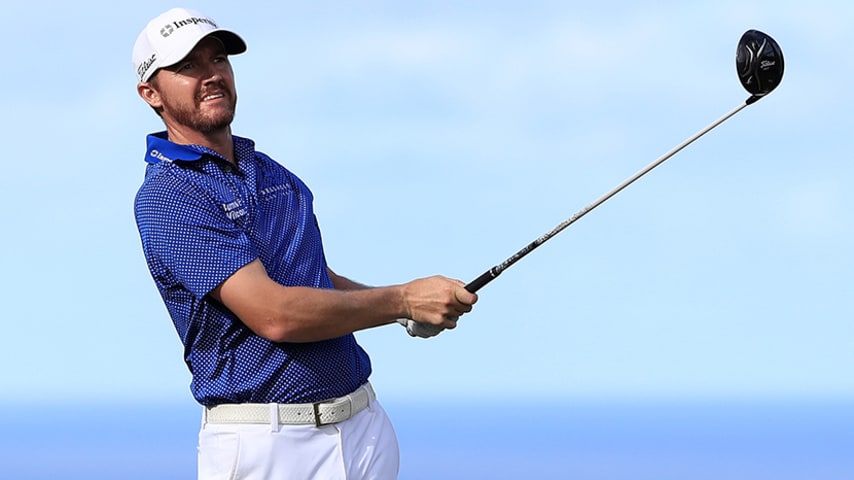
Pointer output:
x,y
439,138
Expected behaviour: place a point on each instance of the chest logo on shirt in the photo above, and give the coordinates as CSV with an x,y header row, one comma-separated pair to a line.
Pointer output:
x,y
269,192
234,210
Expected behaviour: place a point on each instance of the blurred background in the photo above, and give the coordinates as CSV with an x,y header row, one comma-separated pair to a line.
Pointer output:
x,y
697,325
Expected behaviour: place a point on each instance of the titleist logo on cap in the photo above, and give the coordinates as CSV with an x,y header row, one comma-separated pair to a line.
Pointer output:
x,y
169,28
144,66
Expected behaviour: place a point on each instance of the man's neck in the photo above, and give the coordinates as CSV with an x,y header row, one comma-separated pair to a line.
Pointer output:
x,y
219,141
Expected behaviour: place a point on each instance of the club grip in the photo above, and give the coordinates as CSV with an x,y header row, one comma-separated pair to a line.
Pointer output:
x,y
481,281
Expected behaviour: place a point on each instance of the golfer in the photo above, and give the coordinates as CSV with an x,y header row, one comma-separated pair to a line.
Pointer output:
x,y
233,245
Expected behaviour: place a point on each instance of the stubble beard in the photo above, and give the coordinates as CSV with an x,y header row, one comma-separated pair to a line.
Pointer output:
x,y
190,116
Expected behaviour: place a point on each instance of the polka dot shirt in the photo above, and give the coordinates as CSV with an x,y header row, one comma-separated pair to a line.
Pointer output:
x,y
201,219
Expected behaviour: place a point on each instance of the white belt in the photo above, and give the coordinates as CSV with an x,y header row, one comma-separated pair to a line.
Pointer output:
x,y
319,413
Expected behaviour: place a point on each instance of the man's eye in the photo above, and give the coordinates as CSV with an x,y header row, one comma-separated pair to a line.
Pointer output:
x,y
186,66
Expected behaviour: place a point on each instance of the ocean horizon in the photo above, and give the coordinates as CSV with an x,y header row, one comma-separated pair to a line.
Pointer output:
x,y
608,440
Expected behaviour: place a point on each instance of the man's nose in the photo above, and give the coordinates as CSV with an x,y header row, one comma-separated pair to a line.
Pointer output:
x,y
210,72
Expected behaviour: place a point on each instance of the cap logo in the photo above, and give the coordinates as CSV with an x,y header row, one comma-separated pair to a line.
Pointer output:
x,y
169,29
144,66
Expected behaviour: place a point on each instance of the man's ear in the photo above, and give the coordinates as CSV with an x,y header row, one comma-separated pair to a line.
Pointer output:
x,y
150,94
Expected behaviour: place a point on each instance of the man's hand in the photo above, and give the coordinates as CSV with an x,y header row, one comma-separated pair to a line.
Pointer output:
x,y
435,304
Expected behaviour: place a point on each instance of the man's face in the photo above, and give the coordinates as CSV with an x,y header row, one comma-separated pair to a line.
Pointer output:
x,y
198,92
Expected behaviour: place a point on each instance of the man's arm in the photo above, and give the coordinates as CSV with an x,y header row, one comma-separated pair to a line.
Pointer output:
x,y
344,283
304,314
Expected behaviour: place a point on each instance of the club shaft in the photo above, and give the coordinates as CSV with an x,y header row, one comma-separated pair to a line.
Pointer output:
x,y
493,272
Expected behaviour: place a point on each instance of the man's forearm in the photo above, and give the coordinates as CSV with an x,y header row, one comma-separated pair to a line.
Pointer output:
x,y
344,283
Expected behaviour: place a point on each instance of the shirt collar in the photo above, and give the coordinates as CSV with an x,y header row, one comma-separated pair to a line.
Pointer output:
x,y
160,149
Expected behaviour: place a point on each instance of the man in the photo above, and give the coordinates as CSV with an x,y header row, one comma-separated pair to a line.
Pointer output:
x,y
234,247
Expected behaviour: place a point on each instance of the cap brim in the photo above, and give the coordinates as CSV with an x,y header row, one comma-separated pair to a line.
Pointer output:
x,y
232,42
234,45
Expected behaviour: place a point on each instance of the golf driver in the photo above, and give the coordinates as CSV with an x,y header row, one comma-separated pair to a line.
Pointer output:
x,y
759,63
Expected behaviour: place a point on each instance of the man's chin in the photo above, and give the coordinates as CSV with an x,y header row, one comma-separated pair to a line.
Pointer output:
x,y
215,123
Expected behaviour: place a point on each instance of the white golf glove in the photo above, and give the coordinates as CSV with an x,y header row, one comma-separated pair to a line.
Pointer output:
x,y
418,329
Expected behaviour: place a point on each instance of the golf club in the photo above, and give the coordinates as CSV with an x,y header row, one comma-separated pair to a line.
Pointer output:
x,y
759,63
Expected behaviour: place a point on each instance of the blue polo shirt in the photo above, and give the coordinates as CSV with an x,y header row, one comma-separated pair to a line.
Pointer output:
x,y
201,219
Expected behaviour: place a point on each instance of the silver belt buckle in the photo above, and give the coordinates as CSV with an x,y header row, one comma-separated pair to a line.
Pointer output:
x,y
339,410
317,421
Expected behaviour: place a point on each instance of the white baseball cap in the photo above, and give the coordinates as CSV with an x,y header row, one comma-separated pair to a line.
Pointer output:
x,y
168,38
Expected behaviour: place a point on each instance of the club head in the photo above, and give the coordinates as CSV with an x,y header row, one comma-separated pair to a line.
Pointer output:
x,y
759,62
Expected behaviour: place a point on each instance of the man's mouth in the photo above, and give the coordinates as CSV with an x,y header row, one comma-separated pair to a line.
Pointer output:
x,y
215,96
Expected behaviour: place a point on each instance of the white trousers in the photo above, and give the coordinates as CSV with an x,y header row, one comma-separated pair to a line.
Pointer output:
x,y
363,447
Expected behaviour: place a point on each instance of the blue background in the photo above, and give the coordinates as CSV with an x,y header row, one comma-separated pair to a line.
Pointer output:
x,y
603,440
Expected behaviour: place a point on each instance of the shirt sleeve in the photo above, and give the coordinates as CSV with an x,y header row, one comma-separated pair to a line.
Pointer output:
x,y
188,238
